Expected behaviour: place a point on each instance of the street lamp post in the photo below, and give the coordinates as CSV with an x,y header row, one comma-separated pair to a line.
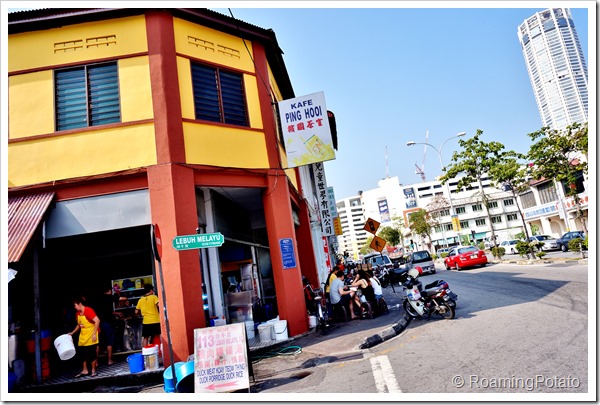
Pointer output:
x,y
439,151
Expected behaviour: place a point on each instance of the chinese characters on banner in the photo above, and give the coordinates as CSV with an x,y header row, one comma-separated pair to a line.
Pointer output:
x,y
306,130
337,224
221,360
323,199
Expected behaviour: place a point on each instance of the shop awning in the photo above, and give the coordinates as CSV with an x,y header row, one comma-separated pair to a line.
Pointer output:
x,y
24,215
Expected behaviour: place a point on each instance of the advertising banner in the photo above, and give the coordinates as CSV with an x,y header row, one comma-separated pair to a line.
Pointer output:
x,y
323,199
384,211
409,196
306,131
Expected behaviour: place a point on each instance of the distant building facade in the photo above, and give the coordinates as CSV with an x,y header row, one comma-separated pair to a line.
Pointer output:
x,y
559,79
556,67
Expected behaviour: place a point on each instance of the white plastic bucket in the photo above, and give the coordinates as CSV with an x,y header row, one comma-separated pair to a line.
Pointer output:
x,y
264,332
64,346
312,321
280,329
250,329
150,354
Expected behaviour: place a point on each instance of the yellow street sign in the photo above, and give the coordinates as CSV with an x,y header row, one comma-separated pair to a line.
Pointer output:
x,y
371,226
377,243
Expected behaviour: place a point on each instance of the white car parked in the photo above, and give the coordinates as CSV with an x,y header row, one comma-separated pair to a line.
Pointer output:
x,y
510,246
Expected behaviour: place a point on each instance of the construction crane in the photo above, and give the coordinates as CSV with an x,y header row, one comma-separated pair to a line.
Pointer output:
x,y
421,170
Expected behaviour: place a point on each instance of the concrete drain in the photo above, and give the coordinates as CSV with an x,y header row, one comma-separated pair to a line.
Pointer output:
x,y
301,375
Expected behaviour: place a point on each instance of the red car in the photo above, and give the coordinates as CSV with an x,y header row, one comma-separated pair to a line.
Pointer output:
x,y
465,256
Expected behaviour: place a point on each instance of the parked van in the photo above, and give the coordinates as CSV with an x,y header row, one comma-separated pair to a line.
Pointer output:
x,y
423,259
374,259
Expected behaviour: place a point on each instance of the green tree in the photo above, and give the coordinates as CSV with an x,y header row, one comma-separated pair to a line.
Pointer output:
x,y
421,223
475,160
557,155
512,176
391,235
366,248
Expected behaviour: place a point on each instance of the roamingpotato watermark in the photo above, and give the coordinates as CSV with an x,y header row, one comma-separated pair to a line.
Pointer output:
x,y
473,381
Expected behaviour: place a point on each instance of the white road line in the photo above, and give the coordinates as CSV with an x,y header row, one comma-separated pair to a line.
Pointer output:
x,y
385,380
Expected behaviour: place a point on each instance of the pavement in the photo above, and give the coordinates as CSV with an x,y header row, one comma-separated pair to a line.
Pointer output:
x,y
281,362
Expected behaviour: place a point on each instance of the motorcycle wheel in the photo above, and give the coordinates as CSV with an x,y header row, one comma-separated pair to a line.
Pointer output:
x,y
446,311
410,310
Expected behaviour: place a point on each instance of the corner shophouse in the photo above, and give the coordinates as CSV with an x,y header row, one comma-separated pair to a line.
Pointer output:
x,y
178,129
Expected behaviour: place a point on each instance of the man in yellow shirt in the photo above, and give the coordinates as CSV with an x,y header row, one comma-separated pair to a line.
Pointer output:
x,y
148,307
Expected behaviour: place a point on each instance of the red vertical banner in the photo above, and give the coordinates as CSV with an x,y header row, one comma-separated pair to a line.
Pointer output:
x,y
326,250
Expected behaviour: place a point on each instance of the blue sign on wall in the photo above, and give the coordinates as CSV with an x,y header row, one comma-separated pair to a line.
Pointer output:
x,y
288,255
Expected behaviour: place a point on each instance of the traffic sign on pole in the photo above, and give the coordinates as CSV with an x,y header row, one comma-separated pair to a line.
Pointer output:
x,y
199,241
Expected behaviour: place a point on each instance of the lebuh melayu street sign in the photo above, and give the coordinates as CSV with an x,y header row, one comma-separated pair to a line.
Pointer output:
x,y
199,241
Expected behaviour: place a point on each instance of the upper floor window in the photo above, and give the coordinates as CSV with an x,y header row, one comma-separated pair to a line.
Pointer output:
x,y
528,200
509,202
493,204
477,207
460,210
87,96
547,192
219,95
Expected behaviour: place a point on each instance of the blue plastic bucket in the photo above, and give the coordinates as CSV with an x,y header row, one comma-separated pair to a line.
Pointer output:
x,y
185,377
136,363
168,377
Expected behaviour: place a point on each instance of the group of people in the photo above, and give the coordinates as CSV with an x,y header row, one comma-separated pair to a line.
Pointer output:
x,y
364,287
97,326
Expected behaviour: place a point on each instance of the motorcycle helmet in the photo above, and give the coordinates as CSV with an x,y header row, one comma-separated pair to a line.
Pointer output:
x,y
414,273
419,269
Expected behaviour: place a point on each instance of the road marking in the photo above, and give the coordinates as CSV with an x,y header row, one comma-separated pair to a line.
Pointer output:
x,y
385,380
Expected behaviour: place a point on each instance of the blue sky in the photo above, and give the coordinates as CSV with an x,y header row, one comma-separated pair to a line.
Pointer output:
x,y
392,74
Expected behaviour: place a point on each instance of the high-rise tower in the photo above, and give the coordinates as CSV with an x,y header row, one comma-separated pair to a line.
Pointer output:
x,y
556,67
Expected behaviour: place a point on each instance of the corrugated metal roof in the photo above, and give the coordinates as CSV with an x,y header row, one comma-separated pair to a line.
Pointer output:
x,y
24,215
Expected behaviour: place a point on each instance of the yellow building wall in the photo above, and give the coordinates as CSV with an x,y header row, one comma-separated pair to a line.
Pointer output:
x,y
80,154
135,89
75,43
31,104
213,46
224,146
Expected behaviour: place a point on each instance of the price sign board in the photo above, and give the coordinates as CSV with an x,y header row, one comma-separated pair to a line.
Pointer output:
x,y
220,358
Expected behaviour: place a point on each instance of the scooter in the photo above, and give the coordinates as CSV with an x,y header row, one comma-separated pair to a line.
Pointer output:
x,y
435,298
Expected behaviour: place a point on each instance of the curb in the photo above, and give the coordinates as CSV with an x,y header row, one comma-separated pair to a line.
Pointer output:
x,y
385,334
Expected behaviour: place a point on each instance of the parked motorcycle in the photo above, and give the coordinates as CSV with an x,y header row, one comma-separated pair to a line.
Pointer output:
x,y
389,276
436,297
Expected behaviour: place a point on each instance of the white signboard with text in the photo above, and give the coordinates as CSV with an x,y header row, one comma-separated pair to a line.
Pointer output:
x,y
306,130
323,199
221,359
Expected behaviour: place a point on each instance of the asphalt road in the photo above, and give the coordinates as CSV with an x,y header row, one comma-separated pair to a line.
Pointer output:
x,y
518,329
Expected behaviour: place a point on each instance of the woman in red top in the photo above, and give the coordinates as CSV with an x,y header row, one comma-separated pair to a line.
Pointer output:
x,y
89,324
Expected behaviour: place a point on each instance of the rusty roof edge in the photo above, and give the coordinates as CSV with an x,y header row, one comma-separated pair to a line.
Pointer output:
x,y
25,214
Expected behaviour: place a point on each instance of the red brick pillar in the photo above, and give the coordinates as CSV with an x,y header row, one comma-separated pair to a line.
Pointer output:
x,y
173,207
288,282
